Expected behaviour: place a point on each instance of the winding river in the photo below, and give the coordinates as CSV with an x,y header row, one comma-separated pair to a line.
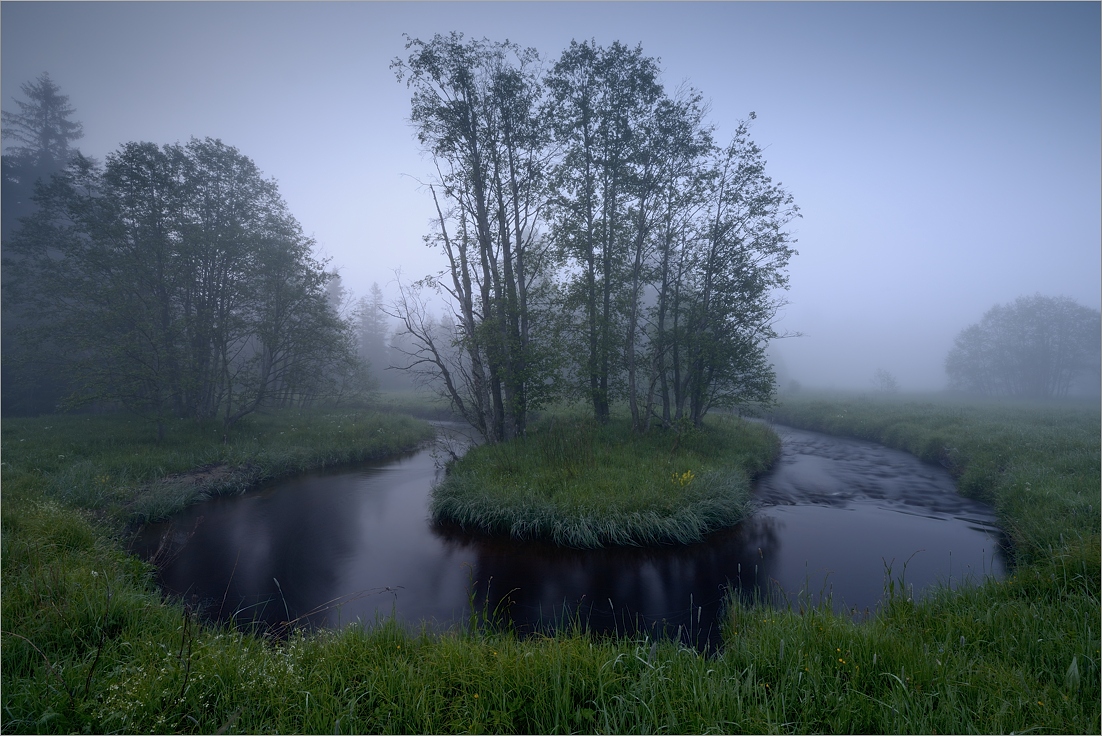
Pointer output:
x,y
838,521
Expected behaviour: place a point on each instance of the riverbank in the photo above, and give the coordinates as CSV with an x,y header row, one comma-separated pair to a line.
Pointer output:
x,y
89,646
113,468
580,484
1036,463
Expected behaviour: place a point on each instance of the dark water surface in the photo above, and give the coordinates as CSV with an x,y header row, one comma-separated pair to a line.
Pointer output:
x,y
836,518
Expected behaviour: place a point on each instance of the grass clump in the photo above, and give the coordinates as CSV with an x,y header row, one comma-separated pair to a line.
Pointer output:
x,y
420,404
581,484
114,466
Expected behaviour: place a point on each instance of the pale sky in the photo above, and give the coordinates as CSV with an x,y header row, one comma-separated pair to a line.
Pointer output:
x,y
945,156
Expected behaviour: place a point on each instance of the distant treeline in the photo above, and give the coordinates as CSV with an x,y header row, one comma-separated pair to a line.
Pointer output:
x,y
1036,347
170,280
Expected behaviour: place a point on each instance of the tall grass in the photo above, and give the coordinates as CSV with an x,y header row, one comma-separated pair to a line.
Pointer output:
x,y
115,466
1037,464
419,404
581,484
89,646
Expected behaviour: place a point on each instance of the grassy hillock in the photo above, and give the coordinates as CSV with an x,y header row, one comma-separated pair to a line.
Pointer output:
x,y
580,484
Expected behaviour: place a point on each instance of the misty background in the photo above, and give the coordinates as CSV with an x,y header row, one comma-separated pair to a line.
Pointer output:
x,y
945,156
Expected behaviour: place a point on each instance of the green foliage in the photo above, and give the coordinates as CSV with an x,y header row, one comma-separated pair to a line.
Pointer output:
x,y
1035,347
474,106
600,244
179,285
583,484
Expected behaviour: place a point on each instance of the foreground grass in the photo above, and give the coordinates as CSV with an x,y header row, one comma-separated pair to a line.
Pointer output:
x,y
580,484
89,646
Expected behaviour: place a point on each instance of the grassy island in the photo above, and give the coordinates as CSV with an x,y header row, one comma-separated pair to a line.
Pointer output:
x,y
580,484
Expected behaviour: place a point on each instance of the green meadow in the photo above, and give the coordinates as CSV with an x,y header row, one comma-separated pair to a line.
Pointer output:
x,y
88,644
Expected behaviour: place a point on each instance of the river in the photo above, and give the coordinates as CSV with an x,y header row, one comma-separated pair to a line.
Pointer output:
x,y
838,520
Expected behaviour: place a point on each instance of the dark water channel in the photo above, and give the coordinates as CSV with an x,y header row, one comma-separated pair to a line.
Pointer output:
x,y
838,518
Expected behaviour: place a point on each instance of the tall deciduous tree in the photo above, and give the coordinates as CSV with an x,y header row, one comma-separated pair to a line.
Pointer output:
x,y
475,108
740,263
1035,347
182,285
601,100
668,252
666,197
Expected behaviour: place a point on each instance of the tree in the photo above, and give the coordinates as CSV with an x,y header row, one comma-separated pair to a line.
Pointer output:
x,y
182,285
42,124
475,108
375,340
657,273
885,382
38,143
601,102
732,267
673,247
372,328
1034,347
665,196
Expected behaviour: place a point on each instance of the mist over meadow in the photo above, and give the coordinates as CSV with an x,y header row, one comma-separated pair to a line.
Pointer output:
x,y
943,159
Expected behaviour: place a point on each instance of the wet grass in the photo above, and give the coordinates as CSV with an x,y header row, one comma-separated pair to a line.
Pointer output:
x,y
1037,464
419,404
89,646
580,484
114,465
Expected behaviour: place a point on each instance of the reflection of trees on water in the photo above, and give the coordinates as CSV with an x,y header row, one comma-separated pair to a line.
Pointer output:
x,y
235,556
354,534
667,590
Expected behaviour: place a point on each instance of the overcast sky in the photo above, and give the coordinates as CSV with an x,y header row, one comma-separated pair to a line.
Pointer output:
x,y
945,156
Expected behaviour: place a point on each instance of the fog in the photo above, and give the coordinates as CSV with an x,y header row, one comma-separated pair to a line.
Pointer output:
x,y
946,157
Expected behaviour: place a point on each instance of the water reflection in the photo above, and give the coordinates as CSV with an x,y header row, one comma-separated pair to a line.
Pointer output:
x,y
672,590
323,549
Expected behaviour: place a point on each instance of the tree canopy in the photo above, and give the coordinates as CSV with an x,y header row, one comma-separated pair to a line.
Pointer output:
x,y
43,124
1035,347
178,284
600,244
38,138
